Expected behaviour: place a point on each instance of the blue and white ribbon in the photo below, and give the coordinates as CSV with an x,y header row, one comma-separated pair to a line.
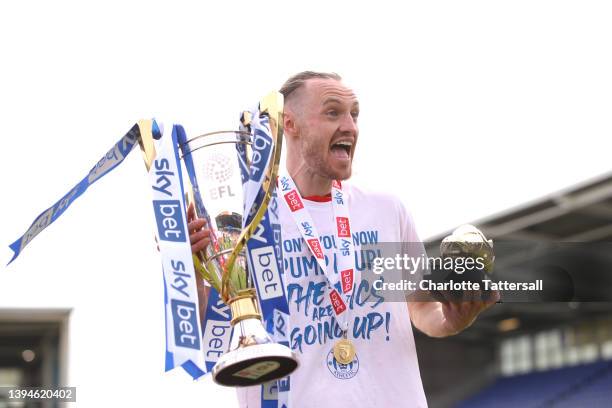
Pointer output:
x,y
108,162
265,252
183,333
217,330
194,346
265,246
262,146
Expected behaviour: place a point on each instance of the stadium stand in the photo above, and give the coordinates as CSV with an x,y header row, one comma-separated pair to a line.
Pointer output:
x,y
471,370
588,385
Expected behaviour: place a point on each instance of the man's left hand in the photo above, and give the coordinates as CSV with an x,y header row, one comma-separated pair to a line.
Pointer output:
x,y
450,316
459,315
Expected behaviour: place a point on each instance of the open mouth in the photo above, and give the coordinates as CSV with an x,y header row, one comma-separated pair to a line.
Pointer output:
x,y
342,150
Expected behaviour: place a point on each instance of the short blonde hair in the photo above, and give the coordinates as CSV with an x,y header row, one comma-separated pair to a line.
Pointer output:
x,y
297,81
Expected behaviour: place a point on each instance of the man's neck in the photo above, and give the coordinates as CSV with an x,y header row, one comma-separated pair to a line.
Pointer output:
x,y
310,184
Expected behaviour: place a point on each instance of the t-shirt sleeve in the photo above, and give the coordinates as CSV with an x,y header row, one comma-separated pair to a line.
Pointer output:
x,y
411,242
408,232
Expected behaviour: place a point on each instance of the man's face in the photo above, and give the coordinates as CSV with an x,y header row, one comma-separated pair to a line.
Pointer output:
x,y
326,123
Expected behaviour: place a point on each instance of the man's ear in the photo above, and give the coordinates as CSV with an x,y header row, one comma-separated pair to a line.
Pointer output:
x,y
289,123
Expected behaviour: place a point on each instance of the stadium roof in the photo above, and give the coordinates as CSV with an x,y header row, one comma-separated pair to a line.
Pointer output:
x,y
581,213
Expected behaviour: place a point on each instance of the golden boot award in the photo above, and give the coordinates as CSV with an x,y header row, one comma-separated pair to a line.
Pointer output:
x,y
233,177
467,257
468,240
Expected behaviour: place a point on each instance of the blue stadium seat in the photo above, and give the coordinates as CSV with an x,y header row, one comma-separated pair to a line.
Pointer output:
x,y
588,385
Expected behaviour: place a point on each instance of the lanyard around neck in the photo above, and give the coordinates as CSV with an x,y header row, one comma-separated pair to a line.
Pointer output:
x,y
340,285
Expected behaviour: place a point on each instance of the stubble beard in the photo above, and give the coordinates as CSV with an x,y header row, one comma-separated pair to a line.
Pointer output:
x,y
314,159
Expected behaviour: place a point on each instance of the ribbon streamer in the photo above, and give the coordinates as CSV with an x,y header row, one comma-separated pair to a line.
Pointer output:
x,y
264,251
105,165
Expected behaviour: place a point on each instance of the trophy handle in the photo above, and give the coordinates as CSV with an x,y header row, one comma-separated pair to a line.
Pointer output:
x,y
273,105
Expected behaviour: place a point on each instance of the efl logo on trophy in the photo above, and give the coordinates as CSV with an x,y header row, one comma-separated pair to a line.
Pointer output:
x,y
218,171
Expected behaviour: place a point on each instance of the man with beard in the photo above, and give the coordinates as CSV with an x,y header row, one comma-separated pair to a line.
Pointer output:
x,y
377,367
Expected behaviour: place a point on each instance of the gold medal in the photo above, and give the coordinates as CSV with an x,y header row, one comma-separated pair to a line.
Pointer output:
x,y
344,351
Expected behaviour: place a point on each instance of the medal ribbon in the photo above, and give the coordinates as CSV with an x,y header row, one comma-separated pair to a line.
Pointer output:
x,y
340,285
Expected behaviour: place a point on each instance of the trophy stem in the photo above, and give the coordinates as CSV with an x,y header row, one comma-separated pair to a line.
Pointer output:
x,y
253,357
244,306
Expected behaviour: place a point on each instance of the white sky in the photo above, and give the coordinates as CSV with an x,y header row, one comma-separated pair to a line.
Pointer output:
x,y
467,108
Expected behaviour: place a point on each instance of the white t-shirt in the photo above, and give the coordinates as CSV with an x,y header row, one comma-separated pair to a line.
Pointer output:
x,y
386,371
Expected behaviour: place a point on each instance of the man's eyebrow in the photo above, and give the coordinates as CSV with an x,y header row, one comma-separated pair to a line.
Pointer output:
x,y
336,100
331,100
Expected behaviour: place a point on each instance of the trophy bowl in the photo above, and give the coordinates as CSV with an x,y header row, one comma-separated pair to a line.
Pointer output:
x,y
219,160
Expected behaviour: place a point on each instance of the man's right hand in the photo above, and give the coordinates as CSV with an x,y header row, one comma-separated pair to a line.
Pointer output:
x,y
198,235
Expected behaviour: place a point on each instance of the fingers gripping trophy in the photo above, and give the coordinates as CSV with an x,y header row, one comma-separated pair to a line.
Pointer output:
x,y
221,166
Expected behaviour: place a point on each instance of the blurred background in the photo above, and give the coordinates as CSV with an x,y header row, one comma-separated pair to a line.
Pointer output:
x,y
493,113
553,352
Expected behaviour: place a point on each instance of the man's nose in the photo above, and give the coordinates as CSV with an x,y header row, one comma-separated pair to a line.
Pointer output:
x,y
348,125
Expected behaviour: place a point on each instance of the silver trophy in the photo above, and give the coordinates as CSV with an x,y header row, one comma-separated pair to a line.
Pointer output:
x,y
253,357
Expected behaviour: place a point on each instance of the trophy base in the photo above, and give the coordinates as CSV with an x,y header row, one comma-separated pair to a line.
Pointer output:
x,y
254,365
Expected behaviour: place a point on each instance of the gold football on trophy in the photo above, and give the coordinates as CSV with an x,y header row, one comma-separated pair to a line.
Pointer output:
x,y
469,241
